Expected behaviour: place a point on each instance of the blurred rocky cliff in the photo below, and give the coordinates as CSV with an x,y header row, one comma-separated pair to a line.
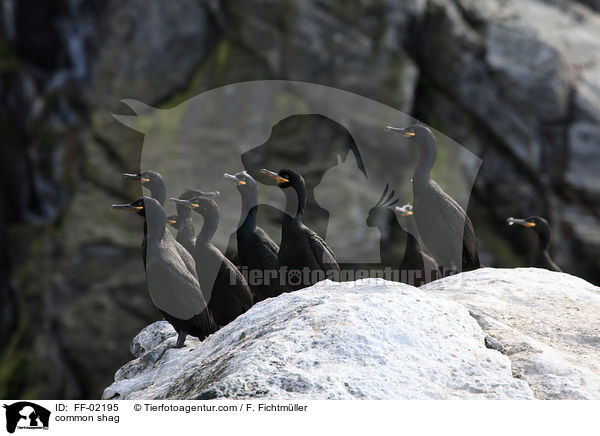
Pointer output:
x,y
517,82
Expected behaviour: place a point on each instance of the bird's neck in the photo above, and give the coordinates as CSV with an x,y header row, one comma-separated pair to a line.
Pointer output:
x,y
186,224
155,226
385,223
248,220
412,245
249,208
295,202
159,192
427,156
410,227
186,229
209,227
183,212
543,243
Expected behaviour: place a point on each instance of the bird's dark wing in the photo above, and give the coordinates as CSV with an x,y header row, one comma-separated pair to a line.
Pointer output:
x,y
268,251
227,272
173,288
458,223
453,215
187,257
205,323
199,325
321,251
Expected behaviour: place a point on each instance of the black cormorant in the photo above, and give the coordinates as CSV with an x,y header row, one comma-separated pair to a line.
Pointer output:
x,y
173,287
398,248
540,226
224,287
443,224
183,220
414,259
256,250
153,181
382,216
300,247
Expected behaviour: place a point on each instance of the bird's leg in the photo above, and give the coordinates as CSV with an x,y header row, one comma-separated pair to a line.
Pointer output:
x,y
180,339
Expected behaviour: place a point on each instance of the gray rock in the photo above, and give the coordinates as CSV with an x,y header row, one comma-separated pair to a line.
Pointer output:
x,y
525,76
494,344
148,49
453,56
529,72
584,142
369,339
547,322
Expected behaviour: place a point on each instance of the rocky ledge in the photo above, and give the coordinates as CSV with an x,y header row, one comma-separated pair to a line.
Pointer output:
x,y
488,334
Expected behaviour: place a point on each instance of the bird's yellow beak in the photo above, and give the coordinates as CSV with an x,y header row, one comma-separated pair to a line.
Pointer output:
x,y
187,203
234,179
128,207
274,176
401,130
520,222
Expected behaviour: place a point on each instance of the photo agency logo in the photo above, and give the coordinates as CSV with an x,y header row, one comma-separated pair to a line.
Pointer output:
x,y
276,185
24,415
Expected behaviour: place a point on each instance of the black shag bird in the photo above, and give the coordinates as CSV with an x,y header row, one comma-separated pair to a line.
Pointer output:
x,y
414,259
158,190
224,287
300,247
398,245
540,226
383,217
183,221
443,224
256,250
173,287
153,181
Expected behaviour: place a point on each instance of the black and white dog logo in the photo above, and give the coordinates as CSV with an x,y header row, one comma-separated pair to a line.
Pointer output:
x,y
26,415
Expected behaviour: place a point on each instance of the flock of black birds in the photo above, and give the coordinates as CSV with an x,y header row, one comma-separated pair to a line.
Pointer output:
x,y
198,289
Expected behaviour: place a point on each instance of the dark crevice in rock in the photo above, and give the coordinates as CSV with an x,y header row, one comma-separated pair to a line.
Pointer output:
x,y
494,344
